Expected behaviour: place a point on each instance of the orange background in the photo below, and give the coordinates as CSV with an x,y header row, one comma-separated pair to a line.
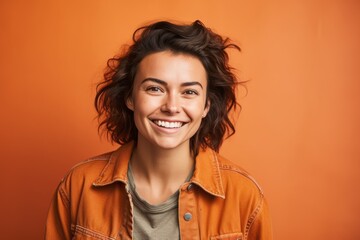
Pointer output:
x,y
298,133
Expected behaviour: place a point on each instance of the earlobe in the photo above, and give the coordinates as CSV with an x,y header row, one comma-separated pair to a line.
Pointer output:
x,y
130,103
207,108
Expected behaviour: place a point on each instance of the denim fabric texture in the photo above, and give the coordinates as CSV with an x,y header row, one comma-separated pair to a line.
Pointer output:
x,y
221,201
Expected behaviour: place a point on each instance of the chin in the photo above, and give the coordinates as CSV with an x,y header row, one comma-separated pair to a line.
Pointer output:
x,y
170,145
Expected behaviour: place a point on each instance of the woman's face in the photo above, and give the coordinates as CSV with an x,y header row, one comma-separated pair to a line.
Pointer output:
x,y
168,99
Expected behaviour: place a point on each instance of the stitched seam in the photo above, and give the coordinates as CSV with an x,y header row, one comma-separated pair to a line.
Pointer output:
x,y
252,217
238,236
64,197
218,168
208,191
131,218
108,158
219,191
82,163
89,161
245,174
87,232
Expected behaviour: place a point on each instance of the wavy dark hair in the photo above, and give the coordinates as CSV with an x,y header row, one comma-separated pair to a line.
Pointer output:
x,y
194,39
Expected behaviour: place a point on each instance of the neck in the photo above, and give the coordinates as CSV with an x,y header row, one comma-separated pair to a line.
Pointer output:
x,y
167,163
157,172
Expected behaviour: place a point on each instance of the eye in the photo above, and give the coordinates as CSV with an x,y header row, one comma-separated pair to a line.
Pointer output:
x,y
191,92
154,89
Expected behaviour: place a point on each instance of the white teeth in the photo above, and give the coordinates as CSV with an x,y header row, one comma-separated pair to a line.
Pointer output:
x,y
168,124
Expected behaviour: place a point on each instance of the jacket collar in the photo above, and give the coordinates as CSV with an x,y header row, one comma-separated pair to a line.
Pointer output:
x,y
117,167
207,173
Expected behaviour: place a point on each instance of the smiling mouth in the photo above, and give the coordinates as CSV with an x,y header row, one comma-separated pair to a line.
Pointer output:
x,y
166,124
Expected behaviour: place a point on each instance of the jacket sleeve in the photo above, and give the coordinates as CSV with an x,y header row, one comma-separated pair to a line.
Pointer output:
x,y
261,228
58,224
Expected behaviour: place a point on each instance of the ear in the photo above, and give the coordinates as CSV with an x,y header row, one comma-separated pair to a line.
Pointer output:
x,y
207,108
130,103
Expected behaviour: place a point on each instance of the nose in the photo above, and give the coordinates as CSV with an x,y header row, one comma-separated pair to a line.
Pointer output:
x,y
171,104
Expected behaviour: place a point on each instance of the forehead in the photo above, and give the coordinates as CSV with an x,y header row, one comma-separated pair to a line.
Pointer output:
x,y
171,67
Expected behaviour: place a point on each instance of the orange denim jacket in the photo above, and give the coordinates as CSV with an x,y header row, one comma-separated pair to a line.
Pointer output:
x,y
221,201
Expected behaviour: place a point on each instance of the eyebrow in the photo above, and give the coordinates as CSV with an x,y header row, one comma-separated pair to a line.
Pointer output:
x,y
162,82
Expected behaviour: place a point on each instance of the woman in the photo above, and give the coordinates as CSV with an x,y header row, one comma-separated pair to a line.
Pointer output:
x,y
167,101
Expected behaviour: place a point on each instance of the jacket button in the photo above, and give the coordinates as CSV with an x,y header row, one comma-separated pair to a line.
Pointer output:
x,y
187,216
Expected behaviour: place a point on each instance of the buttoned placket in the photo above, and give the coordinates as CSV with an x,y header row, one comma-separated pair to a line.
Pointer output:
x,y
188,217
187,206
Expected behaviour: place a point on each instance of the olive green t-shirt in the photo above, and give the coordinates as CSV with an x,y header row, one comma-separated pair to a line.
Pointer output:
x,y
152,222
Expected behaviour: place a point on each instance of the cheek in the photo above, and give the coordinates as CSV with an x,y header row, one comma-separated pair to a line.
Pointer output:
x,y
149,105
196,111
144,106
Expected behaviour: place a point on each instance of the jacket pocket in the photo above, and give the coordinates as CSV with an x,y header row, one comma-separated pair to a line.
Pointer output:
x,y
228,236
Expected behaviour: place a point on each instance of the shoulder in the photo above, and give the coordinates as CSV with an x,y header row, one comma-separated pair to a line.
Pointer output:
x,y
240,185
101,170
87,170
234,176
244,194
